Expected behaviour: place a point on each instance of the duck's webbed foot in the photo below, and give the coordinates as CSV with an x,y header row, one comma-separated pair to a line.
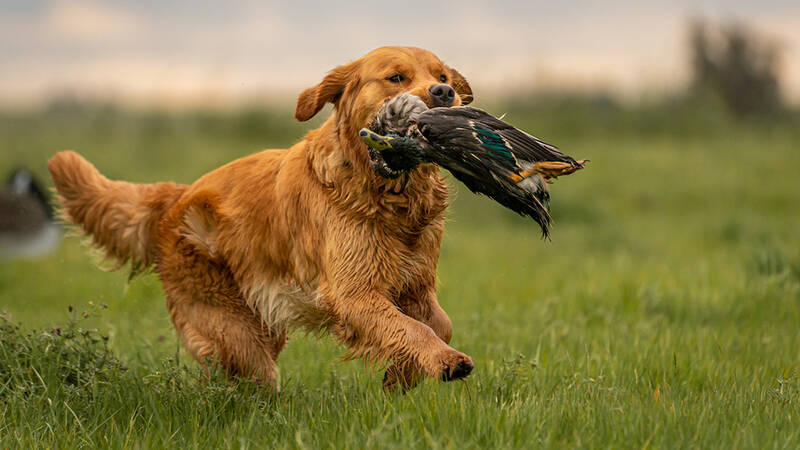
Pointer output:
x,y
550,170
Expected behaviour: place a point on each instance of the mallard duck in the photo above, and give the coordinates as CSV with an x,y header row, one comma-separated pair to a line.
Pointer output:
x,y
27,228
488,155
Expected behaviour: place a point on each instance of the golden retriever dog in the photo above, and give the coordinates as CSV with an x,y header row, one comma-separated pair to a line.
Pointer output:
x,y
307,237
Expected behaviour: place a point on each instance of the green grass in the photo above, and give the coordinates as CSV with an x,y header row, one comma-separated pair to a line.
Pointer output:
x,y
664,313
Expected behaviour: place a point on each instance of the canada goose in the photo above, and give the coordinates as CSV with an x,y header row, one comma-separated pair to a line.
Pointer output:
x,y
27,228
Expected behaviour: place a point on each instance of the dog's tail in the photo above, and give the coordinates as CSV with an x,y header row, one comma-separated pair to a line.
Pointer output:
x,y
120,217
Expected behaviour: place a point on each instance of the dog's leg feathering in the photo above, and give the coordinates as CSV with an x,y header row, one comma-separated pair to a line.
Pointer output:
x,y
372,327
425,308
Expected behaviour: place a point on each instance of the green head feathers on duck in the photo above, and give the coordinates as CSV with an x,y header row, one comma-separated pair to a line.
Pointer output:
x,y
488,155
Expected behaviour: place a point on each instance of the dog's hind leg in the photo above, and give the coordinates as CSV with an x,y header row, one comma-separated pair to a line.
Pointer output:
x,y
233,339
207,307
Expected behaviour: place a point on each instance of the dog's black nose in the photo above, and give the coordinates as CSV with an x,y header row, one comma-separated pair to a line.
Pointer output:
x,y
442,95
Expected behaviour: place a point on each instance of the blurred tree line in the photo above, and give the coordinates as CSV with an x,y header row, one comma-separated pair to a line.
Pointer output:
x,y
734,75
737,66
734,80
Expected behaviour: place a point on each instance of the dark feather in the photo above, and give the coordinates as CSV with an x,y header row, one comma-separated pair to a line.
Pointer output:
x,y
483,152
466,119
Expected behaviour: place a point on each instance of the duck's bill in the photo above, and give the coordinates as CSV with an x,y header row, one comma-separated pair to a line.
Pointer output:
x,y
375,140
550,170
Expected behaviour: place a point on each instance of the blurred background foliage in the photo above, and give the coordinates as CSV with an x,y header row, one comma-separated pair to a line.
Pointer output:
x,y
738,66
733,84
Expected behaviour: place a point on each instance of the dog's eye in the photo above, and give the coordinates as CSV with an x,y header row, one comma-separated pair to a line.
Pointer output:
x,y
396,78
443,78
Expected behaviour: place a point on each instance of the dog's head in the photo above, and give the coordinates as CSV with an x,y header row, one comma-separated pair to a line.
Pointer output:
x,y
358,89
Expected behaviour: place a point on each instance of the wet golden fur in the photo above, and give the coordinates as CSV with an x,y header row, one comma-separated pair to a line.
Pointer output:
x,y
307,237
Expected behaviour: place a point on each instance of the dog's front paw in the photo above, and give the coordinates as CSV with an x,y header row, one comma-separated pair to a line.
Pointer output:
x,y
398,114
455,366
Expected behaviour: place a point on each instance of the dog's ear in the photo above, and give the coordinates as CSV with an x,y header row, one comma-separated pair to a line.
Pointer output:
x,y
329,90
461,86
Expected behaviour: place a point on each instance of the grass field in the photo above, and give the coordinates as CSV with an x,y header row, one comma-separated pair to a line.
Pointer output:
x,y
664,313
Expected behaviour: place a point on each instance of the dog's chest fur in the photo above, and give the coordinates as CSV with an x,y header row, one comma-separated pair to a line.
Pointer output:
x,y
400,259
285,306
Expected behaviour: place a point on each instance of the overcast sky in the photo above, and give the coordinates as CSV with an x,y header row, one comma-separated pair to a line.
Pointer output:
x,y
188,52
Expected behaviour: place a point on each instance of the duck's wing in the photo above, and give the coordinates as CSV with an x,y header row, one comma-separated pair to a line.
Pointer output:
x,y
494,158
459,137
489,138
